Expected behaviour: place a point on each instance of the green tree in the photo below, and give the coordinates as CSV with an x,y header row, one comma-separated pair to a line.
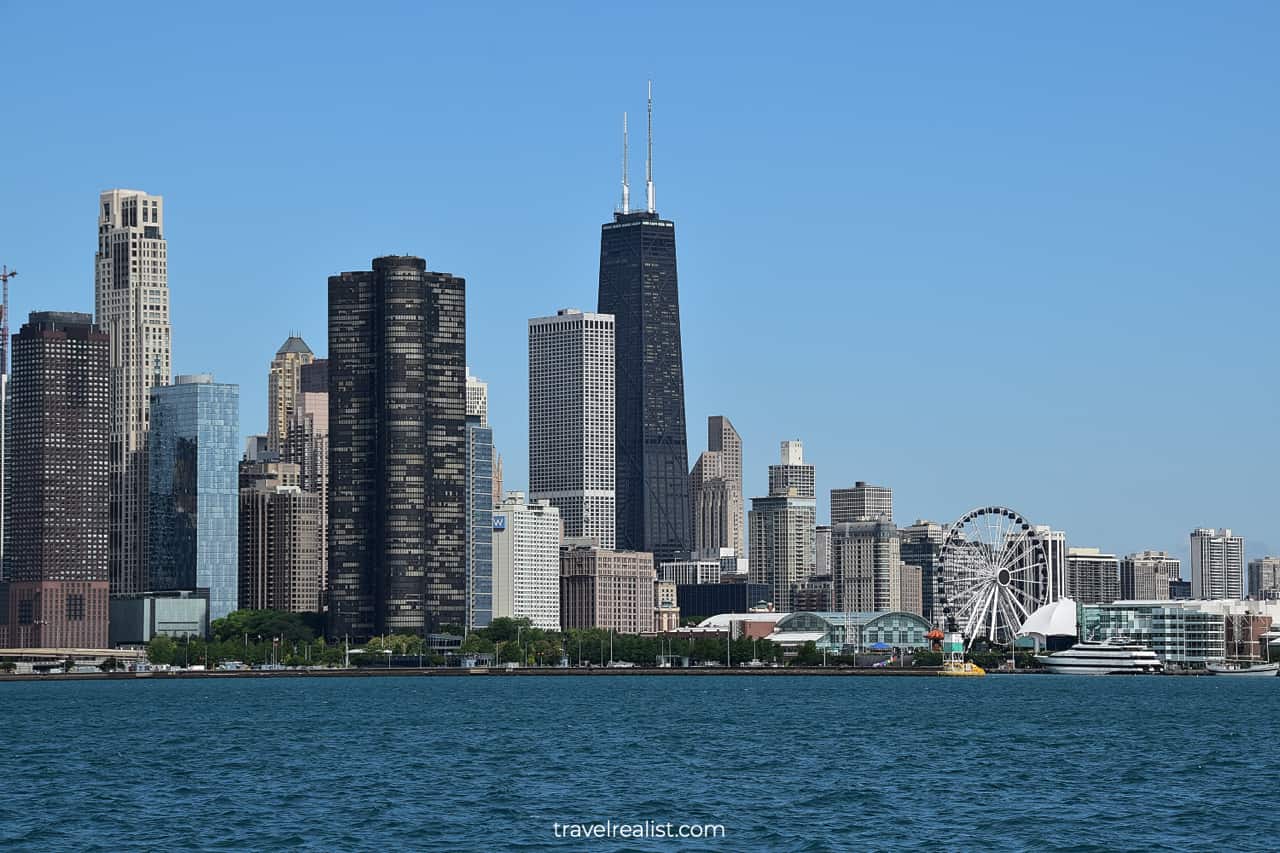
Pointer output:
x,y
109,665
508,651
476,643
289,627
162,650
545,651
808,655
504,629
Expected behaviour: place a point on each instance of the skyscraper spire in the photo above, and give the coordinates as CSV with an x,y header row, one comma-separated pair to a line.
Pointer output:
x,y
626,182
648,163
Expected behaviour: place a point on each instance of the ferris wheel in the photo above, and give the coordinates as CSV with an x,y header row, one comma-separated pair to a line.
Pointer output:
x,y
993,572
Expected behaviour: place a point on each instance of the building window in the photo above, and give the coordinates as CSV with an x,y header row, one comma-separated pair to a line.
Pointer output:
x,y
26,612
75,607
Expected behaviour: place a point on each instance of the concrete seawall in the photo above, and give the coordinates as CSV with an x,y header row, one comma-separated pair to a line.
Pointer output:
x,y
528,672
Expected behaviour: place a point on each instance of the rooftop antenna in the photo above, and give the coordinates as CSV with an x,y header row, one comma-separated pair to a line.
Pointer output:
x,y
648,163
5,275
626,182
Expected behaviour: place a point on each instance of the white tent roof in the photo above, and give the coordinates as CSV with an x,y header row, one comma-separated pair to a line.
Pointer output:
x,y
1055,619
796,637
722,620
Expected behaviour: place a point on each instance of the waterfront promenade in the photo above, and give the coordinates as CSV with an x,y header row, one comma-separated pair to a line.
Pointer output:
x,y
525,672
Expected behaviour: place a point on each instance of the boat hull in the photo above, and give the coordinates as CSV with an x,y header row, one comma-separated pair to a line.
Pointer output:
x,y
962,670
1099,670
1258,670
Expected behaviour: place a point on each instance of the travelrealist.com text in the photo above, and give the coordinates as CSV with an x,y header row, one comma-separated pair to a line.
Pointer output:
x,y
642,829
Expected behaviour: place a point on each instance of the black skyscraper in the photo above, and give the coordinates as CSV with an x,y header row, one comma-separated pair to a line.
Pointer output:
x,y
638,286
397,449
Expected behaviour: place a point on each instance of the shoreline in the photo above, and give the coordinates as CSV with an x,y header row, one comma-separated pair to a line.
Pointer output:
x,y
545,672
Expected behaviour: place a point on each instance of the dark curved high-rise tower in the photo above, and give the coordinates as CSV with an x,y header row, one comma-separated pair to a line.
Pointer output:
x,y
397,449
638,286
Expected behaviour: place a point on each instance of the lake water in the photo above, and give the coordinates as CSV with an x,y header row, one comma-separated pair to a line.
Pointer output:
x,y
789,763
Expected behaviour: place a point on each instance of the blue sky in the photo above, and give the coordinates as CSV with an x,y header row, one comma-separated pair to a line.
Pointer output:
x,y
981,253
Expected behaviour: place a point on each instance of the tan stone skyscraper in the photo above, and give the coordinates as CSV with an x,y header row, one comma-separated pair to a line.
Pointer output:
x,y
715,489
131,304
307,446
284,385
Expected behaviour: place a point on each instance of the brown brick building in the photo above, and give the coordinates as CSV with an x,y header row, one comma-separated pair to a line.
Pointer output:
x,y
57,593
607,589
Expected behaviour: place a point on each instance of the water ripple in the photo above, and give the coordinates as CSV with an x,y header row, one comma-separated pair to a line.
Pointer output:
x,y
784,763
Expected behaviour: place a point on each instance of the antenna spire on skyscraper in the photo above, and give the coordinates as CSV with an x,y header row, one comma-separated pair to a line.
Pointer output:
x,y
626,182
648,163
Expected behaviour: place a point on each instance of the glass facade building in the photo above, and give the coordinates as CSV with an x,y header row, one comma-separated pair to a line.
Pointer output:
x,y
479,524
193,476
1181,637
709,599
638,286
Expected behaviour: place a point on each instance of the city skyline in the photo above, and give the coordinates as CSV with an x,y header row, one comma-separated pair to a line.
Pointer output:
x,y
930,443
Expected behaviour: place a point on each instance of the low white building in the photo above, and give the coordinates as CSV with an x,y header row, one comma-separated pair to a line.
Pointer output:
x,y
526,561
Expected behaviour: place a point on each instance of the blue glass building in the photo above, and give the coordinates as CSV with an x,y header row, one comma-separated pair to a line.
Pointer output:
x,y
479,524
193,476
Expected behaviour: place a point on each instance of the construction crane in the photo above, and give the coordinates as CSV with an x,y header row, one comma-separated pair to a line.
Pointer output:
x,y
5,275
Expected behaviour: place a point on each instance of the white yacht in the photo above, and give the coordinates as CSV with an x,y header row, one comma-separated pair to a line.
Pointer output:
x,y
1114,656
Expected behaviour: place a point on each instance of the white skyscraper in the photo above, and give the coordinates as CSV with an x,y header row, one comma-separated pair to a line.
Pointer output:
x,y
1055,547
860,503
526,561
131,304
781,527
1217,564
1092,577
791,476
571,421
477,398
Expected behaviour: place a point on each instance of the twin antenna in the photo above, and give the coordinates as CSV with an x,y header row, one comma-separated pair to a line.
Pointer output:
x,y
650,199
